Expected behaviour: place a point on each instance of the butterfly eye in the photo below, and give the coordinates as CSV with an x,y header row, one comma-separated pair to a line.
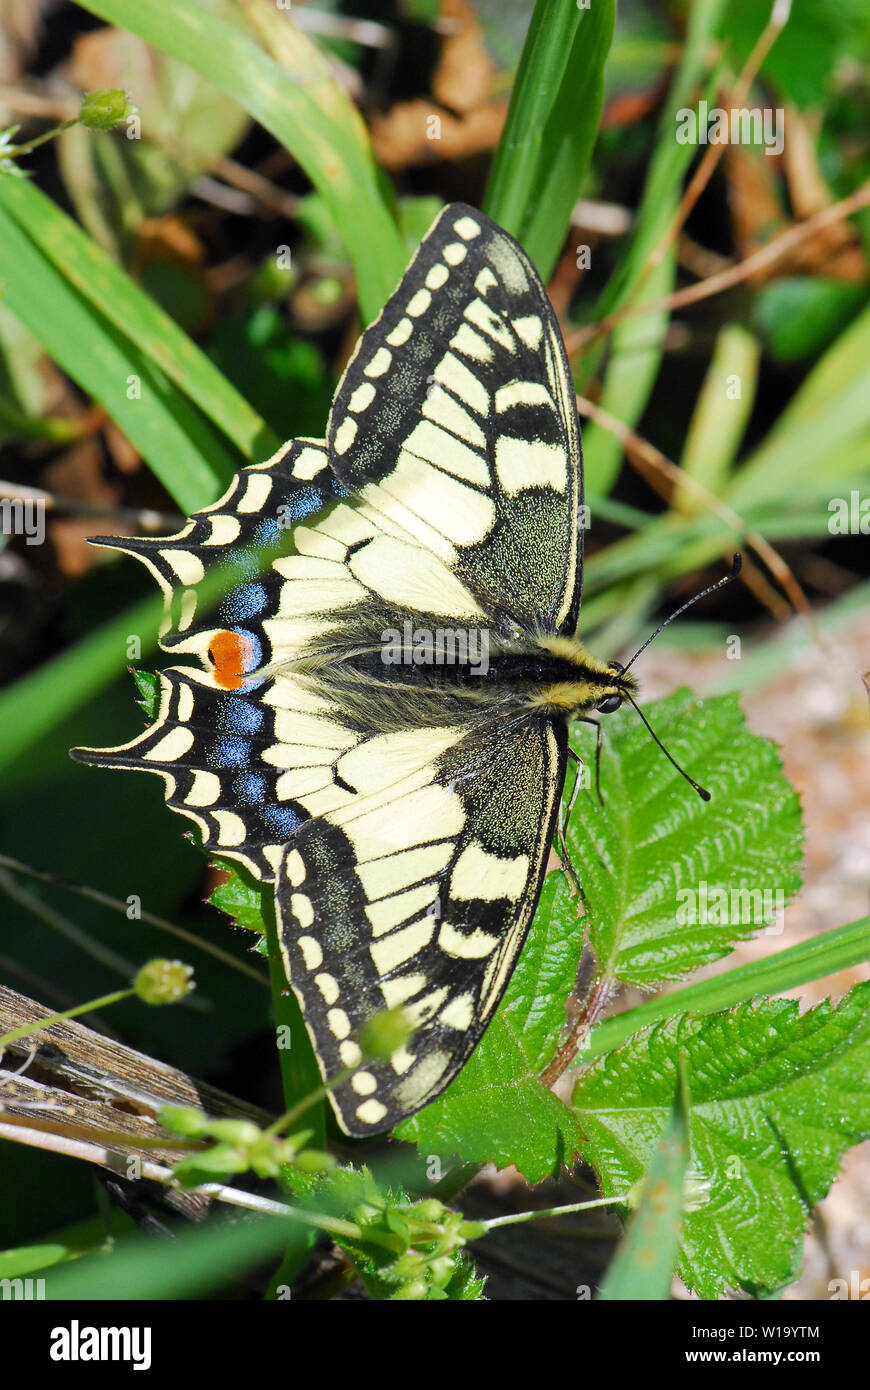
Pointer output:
x,y
609,704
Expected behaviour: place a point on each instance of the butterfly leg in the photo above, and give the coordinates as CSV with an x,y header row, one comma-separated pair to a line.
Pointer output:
x,y
564,818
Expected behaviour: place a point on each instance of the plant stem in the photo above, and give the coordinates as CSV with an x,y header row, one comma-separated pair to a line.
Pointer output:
x,y
516,1218
27,1028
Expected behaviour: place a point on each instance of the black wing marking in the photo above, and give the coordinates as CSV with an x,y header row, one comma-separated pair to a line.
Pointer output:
x,y
213,733
419,896
456,419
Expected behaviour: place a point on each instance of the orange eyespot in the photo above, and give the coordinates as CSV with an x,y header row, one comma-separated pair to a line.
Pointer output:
x,y
227,653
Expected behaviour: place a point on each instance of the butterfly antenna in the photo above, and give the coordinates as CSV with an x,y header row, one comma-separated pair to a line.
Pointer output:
x,y
736,567
702,791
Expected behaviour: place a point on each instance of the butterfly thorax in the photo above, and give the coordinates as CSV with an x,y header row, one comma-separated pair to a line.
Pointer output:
x,y
404,674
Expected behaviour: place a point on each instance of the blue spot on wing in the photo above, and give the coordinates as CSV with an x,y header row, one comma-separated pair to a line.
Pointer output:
x,y
231,752
237,716
302,502
244,602
281,820
250,787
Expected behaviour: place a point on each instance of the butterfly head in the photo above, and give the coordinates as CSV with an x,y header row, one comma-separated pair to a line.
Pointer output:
x,y
613,694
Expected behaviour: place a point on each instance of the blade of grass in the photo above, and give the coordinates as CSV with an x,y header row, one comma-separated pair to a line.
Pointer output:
x,y
828,414
40,701
302,106
543,63
182,447
203,1258
797,965
97,279
636,355
670,160
643,1266
551,126
719,417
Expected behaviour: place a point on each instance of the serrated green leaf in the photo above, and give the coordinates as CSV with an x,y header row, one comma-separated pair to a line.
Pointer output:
x,y
776,1098
821,955
654,855
148,685
496,1110
240,897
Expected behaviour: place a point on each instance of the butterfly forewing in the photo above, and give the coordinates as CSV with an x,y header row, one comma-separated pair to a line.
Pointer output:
x,y
456,419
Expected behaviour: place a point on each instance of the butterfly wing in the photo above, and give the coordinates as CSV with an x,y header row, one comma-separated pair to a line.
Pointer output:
x,y
418,895
448,489
456,421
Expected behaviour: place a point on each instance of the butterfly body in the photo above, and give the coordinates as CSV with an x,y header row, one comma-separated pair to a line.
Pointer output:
x,y
376,715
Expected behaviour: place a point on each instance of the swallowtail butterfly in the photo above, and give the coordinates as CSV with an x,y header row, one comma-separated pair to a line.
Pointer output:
x,y
376,720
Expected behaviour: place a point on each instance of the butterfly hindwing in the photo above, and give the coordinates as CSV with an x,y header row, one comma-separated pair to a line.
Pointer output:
x,y
420,896
456,419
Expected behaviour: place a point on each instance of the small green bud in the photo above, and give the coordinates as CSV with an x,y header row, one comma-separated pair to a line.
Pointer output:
x,y
313,1161
241,1132
385,1034
214,1163
411,1265
414,1290
442,1270
183,1119
429,1210
327,292
103,110
472,1230
164,981
265,1157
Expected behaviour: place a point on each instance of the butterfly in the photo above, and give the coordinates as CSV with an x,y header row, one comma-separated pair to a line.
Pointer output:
x,y
374,714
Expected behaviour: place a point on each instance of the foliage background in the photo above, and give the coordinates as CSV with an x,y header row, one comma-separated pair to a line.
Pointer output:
x,y
321,144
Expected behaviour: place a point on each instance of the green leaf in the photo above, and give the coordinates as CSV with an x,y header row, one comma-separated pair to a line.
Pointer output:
x,y
643,1266
801,61
776,1098
825,954
240,897
800,315
301,104
148,685
496,1110
672,881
